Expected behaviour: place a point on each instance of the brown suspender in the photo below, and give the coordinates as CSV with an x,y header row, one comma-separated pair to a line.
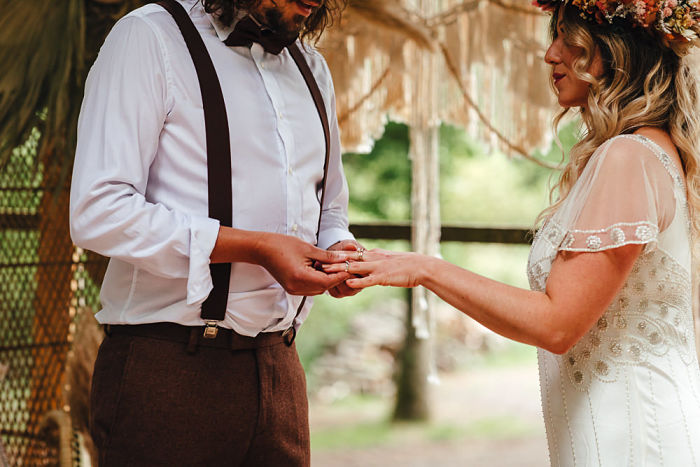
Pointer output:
x,y
218,152
291,332
321,108
219,156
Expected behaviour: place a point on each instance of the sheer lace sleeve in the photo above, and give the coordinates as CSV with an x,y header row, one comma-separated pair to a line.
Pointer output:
x,y
625,196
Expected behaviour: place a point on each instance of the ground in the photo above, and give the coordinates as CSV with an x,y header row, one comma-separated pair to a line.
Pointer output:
x,y
489,415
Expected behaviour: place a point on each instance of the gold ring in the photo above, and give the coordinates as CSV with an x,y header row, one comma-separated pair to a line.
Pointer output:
x,y
347,266
361,253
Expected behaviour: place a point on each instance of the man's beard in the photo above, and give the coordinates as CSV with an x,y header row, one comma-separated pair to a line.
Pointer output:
x,y
287,30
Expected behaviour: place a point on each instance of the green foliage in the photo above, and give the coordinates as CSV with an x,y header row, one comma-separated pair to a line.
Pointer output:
x,y
477,186
21,177
490,190
380,182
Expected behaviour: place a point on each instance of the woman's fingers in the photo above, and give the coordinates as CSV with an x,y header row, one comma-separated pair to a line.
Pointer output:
x,y
376,254
362,282
351,267
334,261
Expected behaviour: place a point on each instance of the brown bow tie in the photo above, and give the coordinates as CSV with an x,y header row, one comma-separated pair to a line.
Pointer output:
x,y
248,31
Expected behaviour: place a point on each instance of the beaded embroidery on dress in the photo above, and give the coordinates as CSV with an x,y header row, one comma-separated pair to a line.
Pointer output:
x,y
628,393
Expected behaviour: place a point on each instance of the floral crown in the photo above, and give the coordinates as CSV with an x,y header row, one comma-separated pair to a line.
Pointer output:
x,y
676,20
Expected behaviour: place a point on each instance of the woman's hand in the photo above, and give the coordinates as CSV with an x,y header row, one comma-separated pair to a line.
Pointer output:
x,y
343,290
382,267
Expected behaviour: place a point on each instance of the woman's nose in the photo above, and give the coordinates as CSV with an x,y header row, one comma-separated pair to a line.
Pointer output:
x,y
553,55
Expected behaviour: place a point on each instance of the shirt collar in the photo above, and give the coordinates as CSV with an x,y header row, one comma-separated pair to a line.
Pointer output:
x,y
222,30
196,11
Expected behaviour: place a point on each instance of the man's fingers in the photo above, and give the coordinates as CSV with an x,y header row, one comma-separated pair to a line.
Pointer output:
x,y
337,279
347,290
347,245
333,268
321,279
343,290
326,256
313,282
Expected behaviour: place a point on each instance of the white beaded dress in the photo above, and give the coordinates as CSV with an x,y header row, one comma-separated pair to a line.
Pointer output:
x,y
628,393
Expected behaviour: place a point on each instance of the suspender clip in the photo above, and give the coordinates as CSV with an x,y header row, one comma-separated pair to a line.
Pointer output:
x,y
210,329
289,335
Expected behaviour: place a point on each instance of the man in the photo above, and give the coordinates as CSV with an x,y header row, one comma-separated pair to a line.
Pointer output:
x,y
170,387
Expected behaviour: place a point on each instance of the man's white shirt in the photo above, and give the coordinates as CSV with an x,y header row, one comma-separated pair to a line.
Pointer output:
x,y
139,189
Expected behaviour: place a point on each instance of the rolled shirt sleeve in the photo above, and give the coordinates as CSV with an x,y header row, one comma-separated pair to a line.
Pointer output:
x,y
127,100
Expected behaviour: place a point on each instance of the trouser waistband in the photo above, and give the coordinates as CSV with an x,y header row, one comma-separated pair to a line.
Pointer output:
x,y
192,336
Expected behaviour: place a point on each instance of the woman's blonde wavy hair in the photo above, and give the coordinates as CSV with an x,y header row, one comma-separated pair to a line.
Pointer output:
x,y
647,82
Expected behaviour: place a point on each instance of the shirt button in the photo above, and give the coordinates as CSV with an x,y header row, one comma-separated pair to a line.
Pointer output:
x,y
262,65
295,228
290,171
279,114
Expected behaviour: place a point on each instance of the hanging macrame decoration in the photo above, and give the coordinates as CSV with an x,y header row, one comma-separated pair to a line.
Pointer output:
x,y
490,75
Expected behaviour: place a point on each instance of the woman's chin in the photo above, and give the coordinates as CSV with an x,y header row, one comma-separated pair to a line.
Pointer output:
x,y
567,102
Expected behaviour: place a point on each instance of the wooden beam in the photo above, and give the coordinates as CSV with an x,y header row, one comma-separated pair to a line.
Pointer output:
x,y
449,233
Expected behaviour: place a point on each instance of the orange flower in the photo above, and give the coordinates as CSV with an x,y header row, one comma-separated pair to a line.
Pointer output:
x,y
676,20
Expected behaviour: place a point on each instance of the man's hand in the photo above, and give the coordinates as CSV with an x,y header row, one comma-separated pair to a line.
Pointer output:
x,y
342,289
291,262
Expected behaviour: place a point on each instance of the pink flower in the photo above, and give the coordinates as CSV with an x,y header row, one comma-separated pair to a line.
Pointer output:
x,y
641,7
667,12
671,4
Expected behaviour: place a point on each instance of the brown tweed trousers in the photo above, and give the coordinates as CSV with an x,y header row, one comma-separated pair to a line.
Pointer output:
x,y
155,404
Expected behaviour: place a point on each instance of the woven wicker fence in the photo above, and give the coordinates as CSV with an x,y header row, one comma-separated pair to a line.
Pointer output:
x,y
46,285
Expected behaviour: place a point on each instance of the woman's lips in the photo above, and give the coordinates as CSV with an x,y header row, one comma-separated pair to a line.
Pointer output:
x,y
305,7
557,77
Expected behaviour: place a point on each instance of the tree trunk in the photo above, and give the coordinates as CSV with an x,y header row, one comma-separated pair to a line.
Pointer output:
x,y
412,392
416,363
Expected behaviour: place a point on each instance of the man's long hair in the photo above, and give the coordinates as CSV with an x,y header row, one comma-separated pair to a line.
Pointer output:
x,y
325,15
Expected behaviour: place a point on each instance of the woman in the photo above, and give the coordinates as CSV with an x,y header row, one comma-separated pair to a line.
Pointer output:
x,y
610,270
